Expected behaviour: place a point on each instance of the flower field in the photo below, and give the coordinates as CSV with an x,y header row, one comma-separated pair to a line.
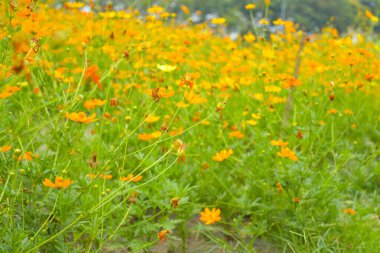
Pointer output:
x,y
123,132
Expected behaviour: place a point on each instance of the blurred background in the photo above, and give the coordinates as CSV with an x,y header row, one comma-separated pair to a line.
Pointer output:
x,y
311,15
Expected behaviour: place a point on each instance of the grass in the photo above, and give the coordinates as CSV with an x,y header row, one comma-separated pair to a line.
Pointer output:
x,y
152,160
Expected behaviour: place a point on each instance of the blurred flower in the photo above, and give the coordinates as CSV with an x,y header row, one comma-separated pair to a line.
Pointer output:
x,y
296,199
5,148
99,176
279,187
279,143
210,217
8,91
162,235
130,178
250,6
263,21
187,80
73,5
148,137
349,211
185,10
179,147
287,153
114,102
175,202
28,155
152,118
91,74
372,17
218,21
222,155
237,134
80,117
249,37
92,103
166,68
59,183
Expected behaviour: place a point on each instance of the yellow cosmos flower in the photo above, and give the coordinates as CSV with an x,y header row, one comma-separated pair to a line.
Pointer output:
x,y
249,37
73,5
250,6
152,118
264,21
251,122
166,68
218,21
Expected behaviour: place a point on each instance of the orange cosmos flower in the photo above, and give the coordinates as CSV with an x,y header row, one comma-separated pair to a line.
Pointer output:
x,y
8,91
80,117
148,137
5,148
114,102
299,135
155,94
279,187
369,77
93,176
59,183
91,74
166,92
296,200
237,134
185,10
222,155
291,82
130,178
162,235
187,80
349,211
279,143
209,217
372,17
348,112
26,156
92,103
175,202
286,152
